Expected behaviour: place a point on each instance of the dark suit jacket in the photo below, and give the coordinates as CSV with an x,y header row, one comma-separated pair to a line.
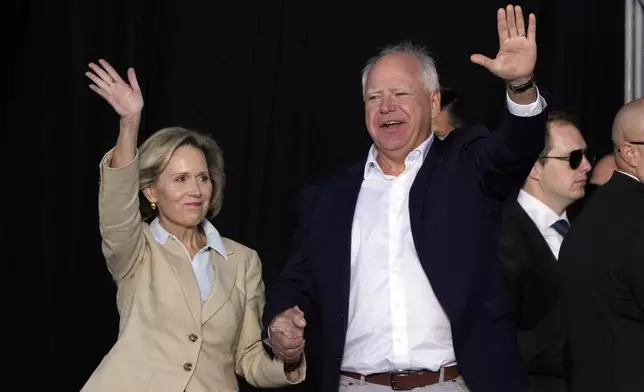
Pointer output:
x,y
602,266
531,273
455,204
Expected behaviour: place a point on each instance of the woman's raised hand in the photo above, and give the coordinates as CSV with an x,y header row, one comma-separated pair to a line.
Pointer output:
x,y
125,98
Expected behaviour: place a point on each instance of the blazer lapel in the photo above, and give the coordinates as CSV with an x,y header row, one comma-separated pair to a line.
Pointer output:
x,y
537,243
418,189
225,277
186,277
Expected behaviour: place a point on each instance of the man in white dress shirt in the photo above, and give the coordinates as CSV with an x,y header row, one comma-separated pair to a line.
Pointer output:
x,y
532,232
397,254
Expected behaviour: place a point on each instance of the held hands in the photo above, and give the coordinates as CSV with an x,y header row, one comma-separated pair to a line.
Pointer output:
x,y
287,335
517,54
126,100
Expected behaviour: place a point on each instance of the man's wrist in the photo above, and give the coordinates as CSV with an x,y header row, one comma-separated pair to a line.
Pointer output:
x,y
520,85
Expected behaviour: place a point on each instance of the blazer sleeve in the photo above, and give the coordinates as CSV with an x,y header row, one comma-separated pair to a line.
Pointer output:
x,y
251,360
634,266
120,218
504,158
510,253
294,286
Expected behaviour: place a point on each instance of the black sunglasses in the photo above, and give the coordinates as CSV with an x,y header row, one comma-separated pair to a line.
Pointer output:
x,y
574,159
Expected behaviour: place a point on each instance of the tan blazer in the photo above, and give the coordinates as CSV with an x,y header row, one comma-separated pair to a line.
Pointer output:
x,y
168,341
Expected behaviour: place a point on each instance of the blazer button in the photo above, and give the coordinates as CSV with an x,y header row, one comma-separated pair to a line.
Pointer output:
x,y
187,366
192,337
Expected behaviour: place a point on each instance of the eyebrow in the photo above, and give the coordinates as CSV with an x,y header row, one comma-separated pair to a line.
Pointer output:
x,y
395,89
184,173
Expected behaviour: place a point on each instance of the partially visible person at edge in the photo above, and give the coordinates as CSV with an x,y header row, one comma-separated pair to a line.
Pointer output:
x,y
399,253
189,300
601,271
452,114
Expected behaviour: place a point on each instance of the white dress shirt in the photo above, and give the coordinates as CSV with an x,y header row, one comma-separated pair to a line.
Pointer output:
x,y
543,217
202,263
395,321
629,174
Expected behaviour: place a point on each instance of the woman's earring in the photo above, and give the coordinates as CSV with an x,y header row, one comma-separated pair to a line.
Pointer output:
x,y
153,205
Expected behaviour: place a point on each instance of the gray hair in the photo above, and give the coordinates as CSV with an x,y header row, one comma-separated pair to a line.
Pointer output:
x,y
155,154
429,75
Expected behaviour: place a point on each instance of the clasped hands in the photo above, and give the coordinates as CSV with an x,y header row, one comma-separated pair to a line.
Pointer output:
x,y
286,335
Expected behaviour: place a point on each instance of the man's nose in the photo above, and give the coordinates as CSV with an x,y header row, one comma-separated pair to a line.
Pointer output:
x,y
585,164
386,104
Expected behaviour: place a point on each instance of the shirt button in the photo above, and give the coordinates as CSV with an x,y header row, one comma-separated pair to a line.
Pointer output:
x,y
192,337
187,366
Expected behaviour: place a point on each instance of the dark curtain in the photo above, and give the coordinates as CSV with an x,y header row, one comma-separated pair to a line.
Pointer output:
x,y
277,83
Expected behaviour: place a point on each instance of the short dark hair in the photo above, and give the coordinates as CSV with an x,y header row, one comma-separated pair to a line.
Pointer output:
x,y
556,117
452,102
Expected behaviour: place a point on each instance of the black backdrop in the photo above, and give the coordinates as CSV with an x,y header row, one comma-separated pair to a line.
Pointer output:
x,y
277,83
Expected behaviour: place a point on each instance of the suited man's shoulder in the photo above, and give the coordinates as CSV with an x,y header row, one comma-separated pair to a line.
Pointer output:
x,y
331,183
511,222
464,136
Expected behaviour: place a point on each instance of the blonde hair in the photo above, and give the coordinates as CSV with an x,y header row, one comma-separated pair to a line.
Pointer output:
x,y
156,151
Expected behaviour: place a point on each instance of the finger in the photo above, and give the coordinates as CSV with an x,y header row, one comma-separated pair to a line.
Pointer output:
x,y
296,316
532,28
509,16
518,12
110,71
481,60
97,81
290,352
299,322
131,77
276,329
99,91
287,329
294,352
286,338
502,25
101,73
285,344
287,357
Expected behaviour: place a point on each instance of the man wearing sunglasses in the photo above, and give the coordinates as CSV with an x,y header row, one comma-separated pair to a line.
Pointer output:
x,y
533,227
602,271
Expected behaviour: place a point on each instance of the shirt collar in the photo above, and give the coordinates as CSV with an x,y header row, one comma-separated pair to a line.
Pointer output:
x,y
542,215
413,156
213,239
629,174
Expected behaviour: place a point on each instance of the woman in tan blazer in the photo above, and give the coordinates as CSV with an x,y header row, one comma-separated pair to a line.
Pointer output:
x,y
189,300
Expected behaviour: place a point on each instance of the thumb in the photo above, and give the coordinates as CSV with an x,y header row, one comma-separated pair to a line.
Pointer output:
x,y
481,60
298,317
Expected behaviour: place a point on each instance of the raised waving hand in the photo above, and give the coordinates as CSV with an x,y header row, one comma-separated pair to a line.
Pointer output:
x,y
126,99
517,54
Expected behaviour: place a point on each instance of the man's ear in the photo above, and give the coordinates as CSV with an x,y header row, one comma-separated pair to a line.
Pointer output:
x,y
536,171
629,154
435,103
